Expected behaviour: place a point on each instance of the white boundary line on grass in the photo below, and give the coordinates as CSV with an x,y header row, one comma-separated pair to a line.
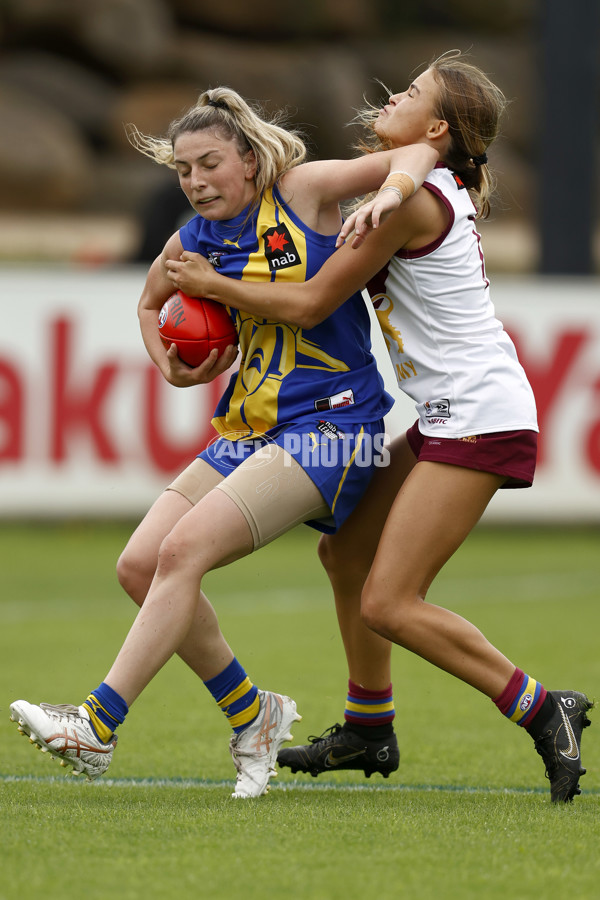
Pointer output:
x,y
188,783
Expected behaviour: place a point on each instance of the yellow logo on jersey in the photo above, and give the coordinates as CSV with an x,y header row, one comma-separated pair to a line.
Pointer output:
x,y
383,308
393,337
271,350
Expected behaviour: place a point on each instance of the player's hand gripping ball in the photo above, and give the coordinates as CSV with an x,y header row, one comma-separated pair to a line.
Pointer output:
x,y
196,326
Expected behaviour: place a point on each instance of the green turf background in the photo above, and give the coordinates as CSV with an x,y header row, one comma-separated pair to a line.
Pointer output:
x,y
467,815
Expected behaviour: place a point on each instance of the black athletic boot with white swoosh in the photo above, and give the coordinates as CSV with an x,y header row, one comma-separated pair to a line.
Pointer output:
x,y
559,744
341,748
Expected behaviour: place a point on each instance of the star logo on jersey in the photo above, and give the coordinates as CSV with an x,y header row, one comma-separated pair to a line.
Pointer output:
x,y
280,250
276,241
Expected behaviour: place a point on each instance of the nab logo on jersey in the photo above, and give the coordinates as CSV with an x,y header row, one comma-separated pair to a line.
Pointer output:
x,y
279,248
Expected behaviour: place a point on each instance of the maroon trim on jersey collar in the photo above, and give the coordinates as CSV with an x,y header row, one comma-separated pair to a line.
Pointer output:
x,y
429,248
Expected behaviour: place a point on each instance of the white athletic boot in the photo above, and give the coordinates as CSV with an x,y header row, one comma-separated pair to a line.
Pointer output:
x,y
254,750
66,733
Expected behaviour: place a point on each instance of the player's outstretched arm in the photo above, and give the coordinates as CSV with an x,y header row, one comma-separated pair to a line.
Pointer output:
x,y
332,181
306,303
369,216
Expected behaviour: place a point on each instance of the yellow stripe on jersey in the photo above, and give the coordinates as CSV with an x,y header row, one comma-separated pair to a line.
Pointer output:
x,y
257,268
270,350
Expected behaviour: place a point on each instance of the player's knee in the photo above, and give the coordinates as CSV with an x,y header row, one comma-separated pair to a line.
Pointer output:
x,y
327,553
177,554
343,567
134,576
375,610
371,612
393,615
125,573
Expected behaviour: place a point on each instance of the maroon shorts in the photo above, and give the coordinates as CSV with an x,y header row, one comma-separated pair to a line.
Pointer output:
x,y
509,453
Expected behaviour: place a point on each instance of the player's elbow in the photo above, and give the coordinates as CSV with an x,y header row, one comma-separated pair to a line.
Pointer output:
x,y
312,314
308,321
146,314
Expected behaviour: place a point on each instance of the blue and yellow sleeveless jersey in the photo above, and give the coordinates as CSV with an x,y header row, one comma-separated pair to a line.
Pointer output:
x,y
288,372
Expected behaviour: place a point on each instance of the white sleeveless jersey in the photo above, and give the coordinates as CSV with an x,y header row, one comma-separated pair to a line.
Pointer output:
x,y
449,351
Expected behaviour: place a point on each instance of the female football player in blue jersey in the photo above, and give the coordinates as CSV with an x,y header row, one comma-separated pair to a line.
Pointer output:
x,y
476,430
300,426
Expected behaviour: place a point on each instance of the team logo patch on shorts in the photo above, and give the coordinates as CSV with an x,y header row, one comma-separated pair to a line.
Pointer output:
x,y
337,401
330,430
279,248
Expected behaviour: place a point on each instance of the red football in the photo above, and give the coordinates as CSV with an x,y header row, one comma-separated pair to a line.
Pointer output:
x,y
196,326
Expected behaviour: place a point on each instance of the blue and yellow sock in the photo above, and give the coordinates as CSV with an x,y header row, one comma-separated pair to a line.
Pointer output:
x,y
236,695
106,710
521,699
369,709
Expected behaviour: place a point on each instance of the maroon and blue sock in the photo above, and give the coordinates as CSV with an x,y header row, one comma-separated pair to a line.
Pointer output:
x,y
522,699
369,713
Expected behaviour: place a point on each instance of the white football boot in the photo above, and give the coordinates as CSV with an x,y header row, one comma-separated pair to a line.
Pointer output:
x,y
66,733
254,750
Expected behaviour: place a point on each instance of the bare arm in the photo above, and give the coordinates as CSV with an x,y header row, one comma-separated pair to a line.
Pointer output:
x,y
314,190
417,222
157,289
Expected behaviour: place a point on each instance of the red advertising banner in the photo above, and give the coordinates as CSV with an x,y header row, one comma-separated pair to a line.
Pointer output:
x,y
88,426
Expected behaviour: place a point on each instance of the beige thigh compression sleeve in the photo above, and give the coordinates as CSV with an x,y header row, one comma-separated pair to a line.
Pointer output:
x,y
270,488
274,493
196,481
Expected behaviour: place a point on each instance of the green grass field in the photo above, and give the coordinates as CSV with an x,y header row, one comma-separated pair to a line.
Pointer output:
x,y
467,815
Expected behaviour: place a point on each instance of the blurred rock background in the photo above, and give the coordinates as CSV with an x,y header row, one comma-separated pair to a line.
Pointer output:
x,y
73,73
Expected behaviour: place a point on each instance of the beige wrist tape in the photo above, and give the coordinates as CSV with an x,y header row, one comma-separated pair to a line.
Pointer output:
x,y
401,183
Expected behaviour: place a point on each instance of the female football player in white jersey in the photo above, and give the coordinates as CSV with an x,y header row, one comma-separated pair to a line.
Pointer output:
x,y
476,430
262,214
